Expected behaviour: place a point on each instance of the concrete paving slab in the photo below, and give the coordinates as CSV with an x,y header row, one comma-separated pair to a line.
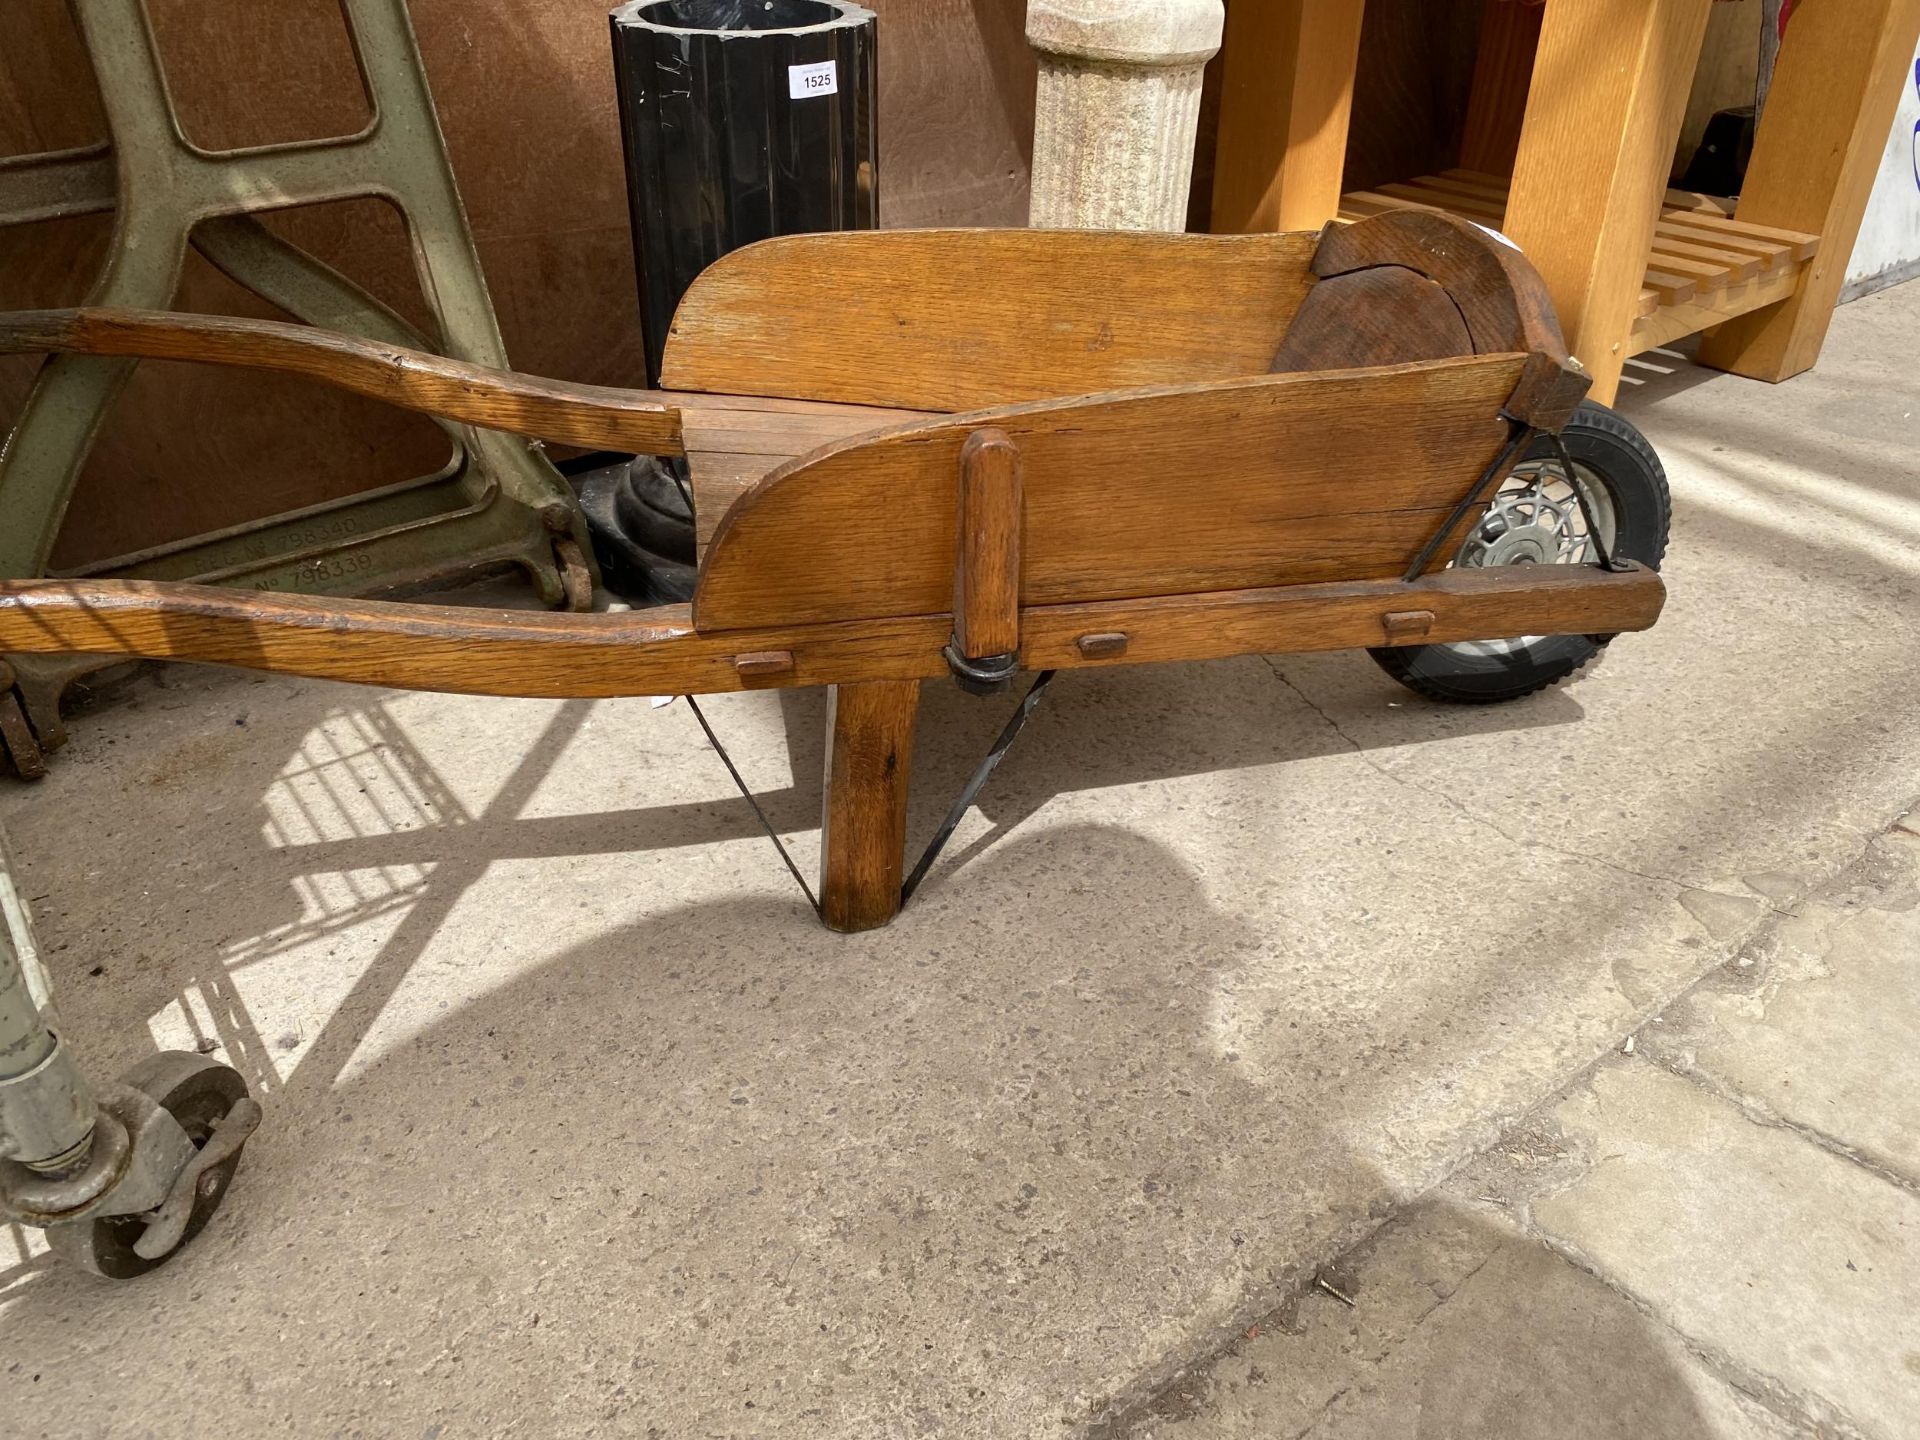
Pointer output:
x,y
544,1032
577,1124
1732,1198
1461,1326
1814,1024
1793,1268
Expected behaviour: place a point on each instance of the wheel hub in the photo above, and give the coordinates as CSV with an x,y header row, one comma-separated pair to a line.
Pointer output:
x,y
1522,545
1527,526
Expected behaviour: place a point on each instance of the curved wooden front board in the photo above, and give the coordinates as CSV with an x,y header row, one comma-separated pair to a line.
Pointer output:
x,y
1501,299
962,319
1269,481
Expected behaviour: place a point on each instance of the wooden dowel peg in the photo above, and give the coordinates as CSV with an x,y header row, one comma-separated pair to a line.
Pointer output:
x,y
986,572
1406,627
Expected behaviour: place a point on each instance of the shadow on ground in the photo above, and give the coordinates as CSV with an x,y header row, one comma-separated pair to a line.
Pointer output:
x,y
1449,1325
714,1167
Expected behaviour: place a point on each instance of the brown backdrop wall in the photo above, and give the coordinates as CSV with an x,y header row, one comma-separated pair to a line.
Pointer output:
x,y
525,92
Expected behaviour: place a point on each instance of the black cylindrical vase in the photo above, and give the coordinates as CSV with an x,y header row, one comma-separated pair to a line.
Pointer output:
x,y
742,119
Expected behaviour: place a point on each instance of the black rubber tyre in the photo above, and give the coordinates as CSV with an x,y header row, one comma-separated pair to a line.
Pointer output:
x,y
1619,457
198,1092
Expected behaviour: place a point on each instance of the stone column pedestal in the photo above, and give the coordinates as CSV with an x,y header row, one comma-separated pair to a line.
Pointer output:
x,y
1117,110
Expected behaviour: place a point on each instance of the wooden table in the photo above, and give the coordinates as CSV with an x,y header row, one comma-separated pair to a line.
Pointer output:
x,y
1571,131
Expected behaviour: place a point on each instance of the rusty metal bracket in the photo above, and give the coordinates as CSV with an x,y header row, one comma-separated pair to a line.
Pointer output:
x,y
498,501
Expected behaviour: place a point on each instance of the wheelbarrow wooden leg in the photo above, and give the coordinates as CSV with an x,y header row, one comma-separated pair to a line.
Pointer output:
x,y
864,829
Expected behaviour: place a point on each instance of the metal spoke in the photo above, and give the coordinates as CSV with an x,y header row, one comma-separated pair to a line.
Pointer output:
x,y
1548,511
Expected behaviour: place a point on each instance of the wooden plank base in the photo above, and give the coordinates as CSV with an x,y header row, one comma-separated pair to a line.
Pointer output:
x,y
733,443
863,836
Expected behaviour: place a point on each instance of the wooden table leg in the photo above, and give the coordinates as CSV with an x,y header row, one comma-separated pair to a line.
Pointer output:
x,y
1609,92
1502,73
1285,100
1841,72
864,839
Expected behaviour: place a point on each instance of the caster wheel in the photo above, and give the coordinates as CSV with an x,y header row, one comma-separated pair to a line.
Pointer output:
x,y
198,1093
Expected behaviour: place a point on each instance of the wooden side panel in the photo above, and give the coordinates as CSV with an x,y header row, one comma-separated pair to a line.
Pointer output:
x,y
730,448
1270,481
965,319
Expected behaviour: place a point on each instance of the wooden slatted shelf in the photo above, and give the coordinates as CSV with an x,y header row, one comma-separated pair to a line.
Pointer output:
x,y
1705,266
1582,104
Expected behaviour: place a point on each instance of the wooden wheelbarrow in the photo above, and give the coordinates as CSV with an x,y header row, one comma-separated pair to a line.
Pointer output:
x,y
990,451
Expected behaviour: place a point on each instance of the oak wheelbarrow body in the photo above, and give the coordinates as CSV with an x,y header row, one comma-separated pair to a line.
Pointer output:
x,y
972,452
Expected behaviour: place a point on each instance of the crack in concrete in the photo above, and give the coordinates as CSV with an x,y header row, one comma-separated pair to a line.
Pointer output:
x,y
1129,1423
1466,812
1376,1361
1780,1399
1803,1409
1758,1113
1122,1412
1771,1394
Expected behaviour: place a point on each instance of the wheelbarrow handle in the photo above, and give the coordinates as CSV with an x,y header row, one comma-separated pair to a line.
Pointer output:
x,y
596,417
455,649
473,650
